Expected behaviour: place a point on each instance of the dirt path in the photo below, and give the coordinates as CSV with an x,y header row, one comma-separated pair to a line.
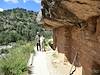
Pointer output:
x,y
40,64
51,63
57,66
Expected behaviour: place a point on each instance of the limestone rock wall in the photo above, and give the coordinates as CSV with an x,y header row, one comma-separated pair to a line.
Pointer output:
x,y
59,39
76,12
76,30
85,41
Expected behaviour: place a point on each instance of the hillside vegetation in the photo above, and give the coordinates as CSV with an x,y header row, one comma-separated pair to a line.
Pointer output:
x,y
18,24
15,62
18,27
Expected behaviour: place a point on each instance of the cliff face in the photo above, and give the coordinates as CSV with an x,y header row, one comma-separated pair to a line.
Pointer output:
x,y
73,12
83,9
76,26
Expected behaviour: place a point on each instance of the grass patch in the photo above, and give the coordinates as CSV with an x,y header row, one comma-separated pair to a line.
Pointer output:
x,y
16,61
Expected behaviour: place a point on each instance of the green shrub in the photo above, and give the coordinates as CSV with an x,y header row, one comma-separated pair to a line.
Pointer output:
x,y
16,61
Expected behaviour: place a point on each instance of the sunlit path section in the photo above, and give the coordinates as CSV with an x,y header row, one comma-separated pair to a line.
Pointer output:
x,y
39,64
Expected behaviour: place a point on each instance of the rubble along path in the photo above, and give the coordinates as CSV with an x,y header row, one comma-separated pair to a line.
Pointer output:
x,y
40,64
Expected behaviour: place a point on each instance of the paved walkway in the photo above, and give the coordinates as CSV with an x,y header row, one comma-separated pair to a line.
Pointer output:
x,y
40,64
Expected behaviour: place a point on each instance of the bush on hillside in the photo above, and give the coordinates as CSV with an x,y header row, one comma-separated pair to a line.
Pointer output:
x,y
16,61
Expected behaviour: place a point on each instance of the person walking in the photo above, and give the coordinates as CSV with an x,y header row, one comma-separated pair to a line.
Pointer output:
x,y
42,43
37,38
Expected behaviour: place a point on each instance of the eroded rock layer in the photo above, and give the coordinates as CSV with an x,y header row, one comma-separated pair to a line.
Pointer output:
x,y
76,27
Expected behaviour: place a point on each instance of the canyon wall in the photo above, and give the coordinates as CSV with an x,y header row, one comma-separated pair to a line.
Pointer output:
x,y
76,27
